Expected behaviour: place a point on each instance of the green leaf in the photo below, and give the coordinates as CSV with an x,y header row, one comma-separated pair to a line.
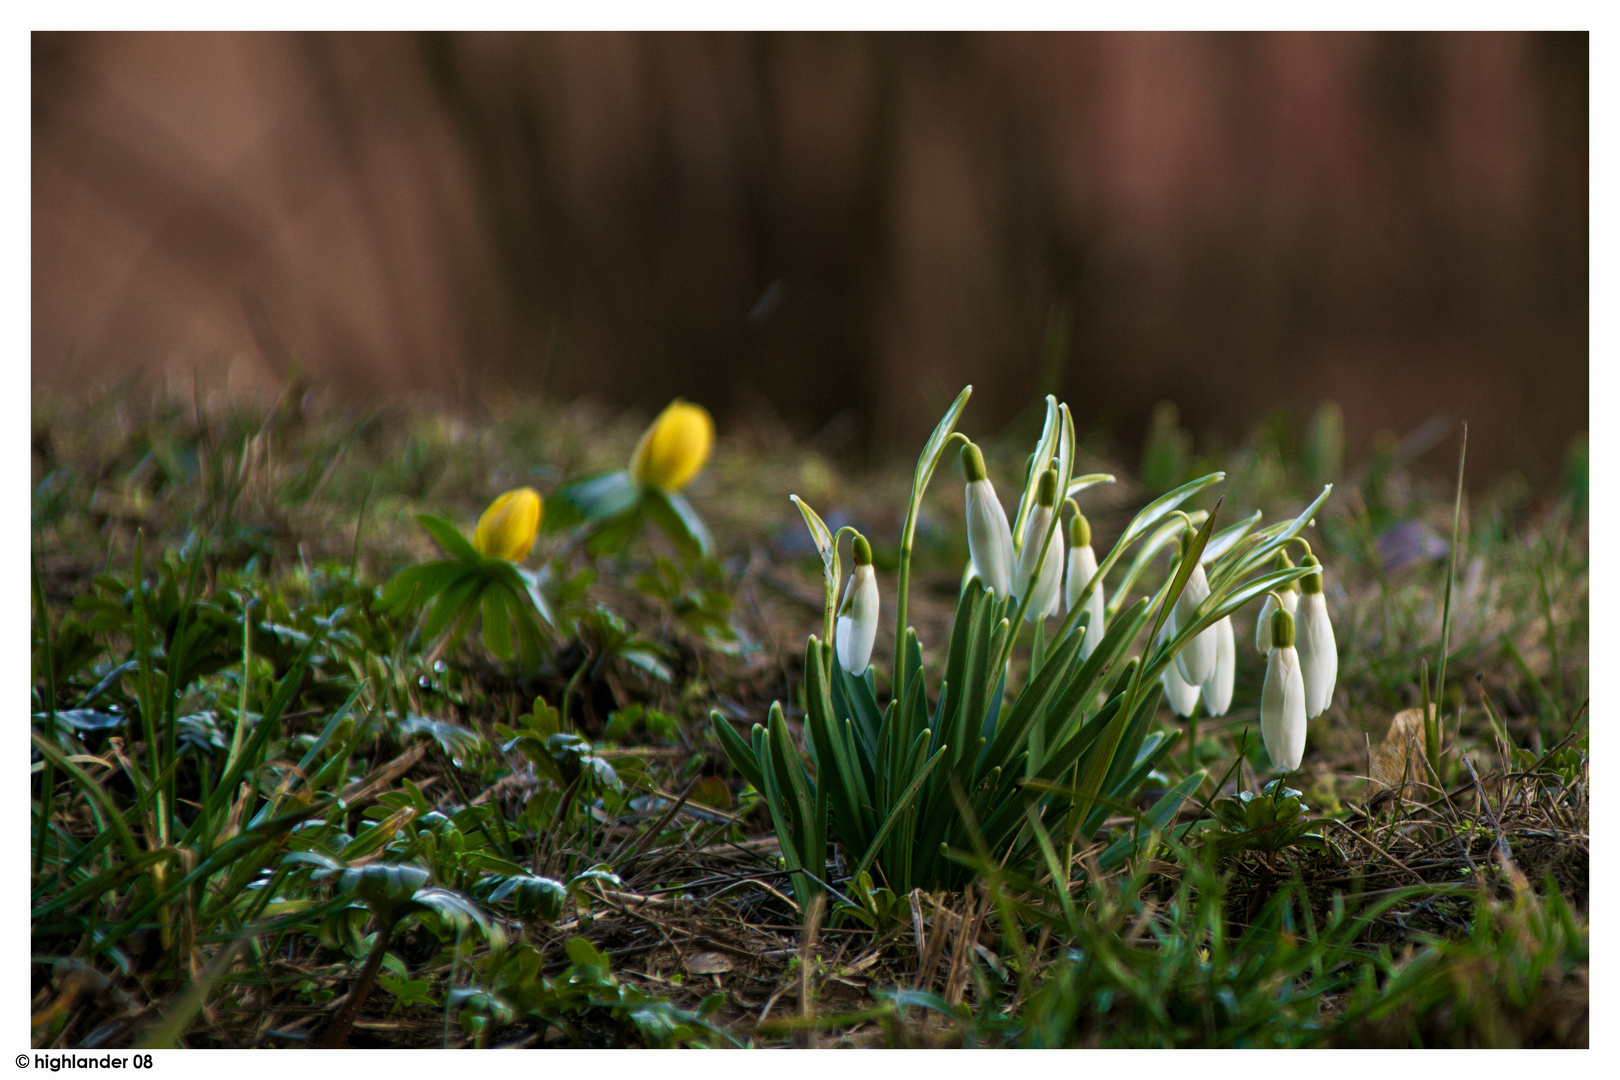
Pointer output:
x,y
1223,541
1081,483
448,537
533,897
675,516
593,499
1158,508
1154,820
739,752
1031,706
827,544
583,954
898,811
531,588
497,624
935,446
542,719
1263,552
460,912
820,534
383,887
92,792
320,860
1150,548
455,604
612,534
457,742
648,660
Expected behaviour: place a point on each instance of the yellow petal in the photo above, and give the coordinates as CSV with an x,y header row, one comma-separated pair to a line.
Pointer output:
x,y
673,449
507,529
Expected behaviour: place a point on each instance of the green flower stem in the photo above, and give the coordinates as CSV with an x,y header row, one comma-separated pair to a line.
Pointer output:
x,y
919,484
1431,721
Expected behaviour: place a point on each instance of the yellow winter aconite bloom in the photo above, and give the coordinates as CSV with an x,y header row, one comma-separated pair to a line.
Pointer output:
x,y
506,531
674,448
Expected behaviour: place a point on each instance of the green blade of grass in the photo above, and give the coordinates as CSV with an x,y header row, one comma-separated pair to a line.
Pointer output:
x,y
1431,720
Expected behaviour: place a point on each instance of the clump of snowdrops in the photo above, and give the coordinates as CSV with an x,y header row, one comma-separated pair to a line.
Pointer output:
x,y
913,786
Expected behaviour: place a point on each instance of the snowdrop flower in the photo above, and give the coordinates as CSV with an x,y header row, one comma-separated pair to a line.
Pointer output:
x,y
1196,660
989,535
1282,698
1290,604
1043,588
1082,568
858,619
674,447
507,529
1318,653
1218,687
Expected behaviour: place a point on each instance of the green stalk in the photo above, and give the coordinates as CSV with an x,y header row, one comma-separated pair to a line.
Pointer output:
x,y
1431,723
359,528
932,451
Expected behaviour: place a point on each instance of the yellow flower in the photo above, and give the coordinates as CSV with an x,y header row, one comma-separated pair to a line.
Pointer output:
x,y
674,447
506,531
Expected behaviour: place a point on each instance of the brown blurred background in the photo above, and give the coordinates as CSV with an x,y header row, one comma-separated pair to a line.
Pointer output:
x,y
837,230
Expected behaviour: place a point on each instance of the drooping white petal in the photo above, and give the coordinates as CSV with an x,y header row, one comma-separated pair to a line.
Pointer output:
x,y
989,538
1183,698
1043,594
1196,660
1282,709
1082,568
1218,687
858,622
1318,653
1262,628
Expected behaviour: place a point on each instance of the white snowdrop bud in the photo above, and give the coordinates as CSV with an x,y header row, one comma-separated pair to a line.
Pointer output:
x,y
858,619
1318,653
989,535
1282,698
1044,591
1082,568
